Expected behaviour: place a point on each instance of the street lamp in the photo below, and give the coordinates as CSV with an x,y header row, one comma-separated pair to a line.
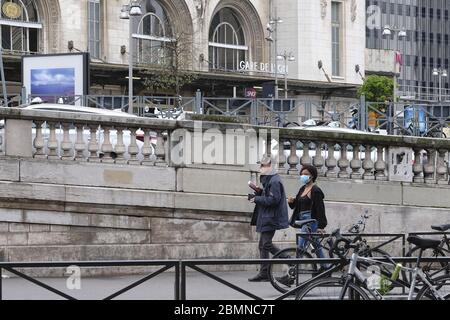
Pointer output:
x,y
128,11
401,34
442,73
286,57
272,27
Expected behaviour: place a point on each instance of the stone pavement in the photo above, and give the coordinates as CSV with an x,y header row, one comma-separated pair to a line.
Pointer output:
x,y
199,287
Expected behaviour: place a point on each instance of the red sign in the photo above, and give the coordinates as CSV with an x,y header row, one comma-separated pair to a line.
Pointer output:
x,y
250,93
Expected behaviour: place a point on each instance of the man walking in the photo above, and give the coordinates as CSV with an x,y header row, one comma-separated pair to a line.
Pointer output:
x,y
270,214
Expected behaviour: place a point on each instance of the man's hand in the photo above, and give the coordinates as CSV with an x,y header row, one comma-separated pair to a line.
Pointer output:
x,y
252,200
291,200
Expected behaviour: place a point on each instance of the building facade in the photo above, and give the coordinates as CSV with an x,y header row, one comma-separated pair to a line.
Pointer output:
x,y
424,45
227,44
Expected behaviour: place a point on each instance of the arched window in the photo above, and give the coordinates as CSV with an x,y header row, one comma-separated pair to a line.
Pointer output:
x,y
154,32
19,24
226,41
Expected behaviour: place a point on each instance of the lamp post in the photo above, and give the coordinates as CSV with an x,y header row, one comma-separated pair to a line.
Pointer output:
x,y
442,73
127,12
272,27
286,57
401,34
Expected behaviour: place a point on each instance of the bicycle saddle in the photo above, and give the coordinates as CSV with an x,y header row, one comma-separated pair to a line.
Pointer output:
x,y
442,227
424,243
301,223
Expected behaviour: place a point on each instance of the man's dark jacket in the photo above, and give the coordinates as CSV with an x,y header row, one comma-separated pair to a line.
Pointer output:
x,y
317,207
271,212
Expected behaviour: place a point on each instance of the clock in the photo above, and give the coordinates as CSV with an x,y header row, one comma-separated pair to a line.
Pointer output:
x,y
12,10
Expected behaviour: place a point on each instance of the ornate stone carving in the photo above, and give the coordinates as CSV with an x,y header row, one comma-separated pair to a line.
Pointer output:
x,y
323,8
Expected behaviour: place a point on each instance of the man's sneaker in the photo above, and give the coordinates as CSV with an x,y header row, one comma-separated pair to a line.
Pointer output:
x,y
286,280
259,278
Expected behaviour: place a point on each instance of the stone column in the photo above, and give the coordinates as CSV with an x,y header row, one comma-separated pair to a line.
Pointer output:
x,y
120,148
293,158
319,160
343,162
107,147
380,165
441,170
160,150
38,142
133,148
331,162
368,164
52,145
305,159
147,148
418,166
80,145
429,167
355,164
93,144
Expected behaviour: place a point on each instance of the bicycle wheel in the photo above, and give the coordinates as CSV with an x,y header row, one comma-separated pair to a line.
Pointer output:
x,y
433,269
331,289
441,284
284,277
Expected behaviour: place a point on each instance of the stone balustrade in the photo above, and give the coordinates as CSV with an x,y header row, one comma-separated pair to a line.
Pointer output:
x,y
144,141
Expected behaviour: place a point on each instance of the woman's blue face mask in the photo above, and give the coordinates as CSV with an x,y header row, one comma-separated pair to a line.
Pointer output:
x,y
304,179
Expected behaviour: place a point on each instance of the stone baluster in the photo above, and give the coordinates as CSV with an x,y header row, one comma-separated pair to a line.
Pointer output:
x,y
120,148
160,150
38,142
331,162
356,164
306,158
418,166
343,162
281,157
368,164
293,158
66,144
52,145
107,147
133,148
93,144
80,145
429,167
319,160
147,148
441,170
380,165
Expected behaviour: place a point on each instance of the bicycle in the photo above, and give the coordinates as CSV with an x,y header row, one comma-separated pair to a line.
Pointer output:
x,y
354,285
284,276
440,251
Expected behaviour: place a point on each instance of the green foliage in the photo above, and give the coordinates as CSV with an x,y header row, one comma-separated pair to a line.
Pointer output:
x,y
377,89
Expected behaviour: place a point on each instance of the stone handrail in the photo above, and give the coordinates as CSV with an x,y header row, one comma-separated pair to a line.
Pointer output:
x,y
355,155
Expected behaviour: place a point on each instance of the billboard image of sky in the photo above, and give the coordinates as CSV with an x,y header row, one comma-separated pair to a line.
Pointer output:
x,y
53,81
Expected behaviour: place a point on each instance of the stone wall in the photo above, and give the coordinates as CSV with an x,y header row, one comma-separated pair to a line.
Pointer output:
x,y
47,212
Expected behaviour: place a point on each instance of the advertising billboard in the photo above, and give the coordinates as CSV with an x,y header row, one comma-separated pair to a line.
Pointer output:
x,y
51,77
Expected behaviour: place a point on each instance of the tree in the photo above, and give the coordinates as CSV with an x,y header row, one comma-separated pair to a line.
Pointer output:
x,y
377,89
171,64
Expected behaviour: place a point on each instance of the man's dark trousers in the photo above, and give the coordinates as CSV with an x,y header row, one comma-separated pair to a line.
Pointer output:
x,y
265,247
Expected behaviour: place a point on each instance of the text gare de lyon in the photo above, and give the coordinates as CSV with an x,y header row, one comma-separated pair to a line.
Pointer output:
x,y
253,66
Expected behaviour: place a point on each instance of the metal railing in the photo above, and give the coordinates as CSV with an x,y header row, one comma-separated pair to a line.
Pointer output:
x,y
356,114
165,266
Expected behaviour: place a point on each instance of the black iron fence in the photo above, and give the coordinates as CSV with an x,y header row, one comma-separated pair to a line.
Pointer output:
x,y
180,268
